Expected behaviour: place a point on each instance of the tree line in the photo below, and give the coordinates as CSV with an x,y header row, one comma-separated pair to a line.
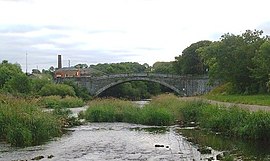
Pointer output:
x,y
14,81
240,62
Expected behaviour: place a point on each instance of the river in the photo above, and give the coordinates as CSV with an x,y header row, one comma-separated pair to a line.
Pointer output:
x,y
124,141
110,141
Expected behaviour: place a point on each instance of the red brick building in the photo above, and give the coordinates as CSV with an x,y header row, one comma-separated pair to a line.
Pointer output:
x,y
67,72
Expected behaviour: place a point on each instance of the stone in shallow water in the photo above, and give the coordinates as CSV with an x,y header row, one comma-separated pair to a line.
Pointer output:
x,y
38,158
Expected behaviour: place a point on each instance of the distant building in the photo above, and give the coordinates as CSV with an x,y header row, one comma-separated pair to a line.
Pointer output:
x,y
67,72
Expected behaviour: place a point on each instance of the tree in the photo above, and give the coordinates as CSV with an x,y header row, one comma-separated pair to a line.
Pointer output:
x,y
230,59
119,68
190,62
261,70
81,66
57,89
81,92
7,71
18,84
163,68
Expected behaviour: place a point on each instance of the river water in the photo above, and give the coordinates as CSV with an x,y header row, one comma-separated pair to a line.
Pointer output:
x,y
110,141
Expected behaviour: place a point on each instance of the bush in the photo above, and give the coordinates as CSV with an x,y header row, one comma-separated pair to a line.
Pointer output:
x,y
19,83
80,92
57,89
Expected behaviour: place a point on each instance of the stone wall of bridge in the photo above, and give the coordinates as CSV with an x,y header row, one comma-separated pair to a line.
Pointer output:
x,y
183,85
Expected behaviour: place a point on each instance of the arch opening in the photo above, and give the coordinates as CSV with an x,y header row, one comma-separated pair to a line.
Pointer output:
x,y
135,89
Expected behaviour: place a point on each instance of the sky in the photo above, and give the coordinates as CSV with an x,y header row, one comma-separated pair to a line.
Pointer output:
x,y
112,31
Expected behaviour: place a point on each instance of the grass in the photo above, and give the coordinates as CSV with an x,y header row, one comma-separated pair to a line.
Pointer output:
x,y
232,121
243,99
22,123
59,102
114,110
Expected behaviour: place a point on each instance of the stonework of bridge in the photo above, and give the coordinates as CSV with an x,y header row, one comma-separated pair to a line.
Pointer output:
x,y
183,85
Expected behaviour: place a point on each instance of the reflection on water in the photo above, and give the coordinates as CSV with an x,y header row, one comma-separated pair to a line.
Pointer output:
x,y
243,149
110,141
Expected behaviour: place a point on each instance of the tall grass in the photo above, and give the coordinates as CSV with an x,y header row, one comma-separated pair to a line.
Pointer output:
x,y
229,121
59,102
166,109
114,110
22,123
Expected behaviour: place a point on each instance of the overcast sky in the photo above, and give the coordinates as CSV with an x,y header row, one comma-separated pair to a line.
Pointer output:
x,y
111,31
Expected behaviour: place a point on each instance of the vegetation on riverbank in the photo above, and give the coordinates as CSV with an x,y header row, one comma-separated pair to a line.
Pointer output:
x,y
167,109
114,110
22,123
243,99
59,102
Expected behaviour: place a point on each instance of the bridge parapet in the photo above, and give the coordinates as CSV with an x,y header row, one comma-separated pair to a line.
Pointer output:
x,y
183,85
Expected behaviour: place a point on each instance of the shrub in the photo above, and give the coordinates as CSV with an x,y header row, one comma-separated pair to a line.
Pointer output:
x,y
57,89
59,102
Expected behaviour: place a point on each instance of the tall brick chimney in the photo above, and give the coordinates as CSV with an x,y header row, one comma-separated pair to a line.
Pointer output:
x,y
59,61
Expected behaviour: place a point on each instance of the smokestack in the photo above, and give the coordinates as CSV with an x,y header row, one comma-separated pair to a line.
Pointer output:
x,y
59,61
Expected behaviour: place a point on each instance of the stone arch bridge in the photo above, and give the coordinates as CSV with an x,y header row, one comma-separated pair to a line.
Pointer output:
x,y
183,85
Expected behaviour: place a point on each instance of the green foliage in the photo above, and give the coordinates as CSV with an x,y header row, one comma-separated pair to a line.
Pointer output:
x,y
190,62
166,109
8,71
59,102
57,89
163,68
191,111
232,59
243,99
229,121
261,68
135,90
80,92
18,84
223,89
22,123
39,82
151,115
113,110
118,68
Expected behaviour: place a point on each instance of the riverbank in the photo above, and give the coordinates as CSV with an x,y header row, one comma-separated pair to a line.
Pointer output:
x,y
168,110
250,107
23,123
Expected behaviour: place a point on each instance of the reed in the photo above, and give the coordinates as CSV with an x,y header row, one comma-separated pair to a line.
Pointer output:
x,y
114,110
22,123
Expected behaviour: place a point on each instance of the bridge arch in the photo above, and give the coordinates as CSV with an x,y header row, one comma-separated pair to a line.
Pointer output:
x,y
137,79
183,85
